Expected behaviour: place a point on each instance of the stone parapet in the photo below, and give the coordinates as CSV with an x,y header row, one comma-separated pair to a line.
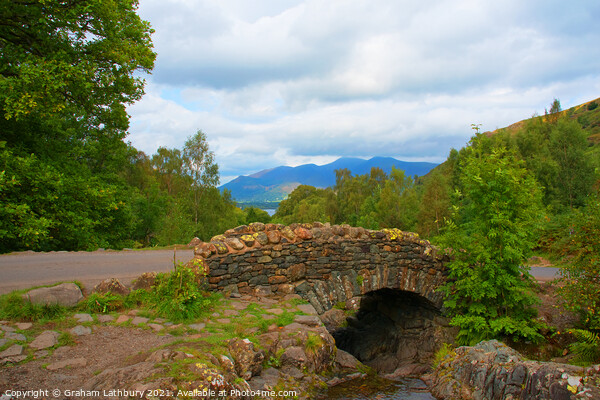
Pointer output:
x,y
325,264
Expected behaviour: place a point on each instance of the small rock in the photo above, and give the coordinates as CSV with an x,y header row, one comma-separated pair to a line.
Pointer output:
x,y
7,328
15,336
14,350
122,319
139,320
44,340
81,330
307,309
83,317
74,362
41,354
225,321
346,360
104,318
156,327
198,326
159,320
23,326
309,320
276,311
13,359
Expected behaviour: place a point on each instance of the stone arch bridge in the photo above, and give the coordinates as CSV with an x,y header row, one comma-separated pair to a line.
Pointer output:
x,y
324,264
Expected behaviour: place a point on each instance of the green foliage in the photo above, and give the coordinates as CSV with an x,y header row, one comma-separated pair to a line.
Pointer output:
x,y
76,58
586,348
178,295
492,231
447,350
435,205
13,307
581,265
102,302
557,153
285,318
254,214
373,201
313,343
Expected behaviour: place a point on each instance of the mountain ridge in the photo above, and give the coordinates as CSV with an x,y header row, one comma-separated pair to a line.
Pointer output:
x,y
274,184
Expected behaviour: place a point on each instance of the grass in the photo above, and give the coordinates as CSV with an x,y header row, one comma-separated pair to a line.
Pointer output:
x,y
443,352
102,303
13,307
313,342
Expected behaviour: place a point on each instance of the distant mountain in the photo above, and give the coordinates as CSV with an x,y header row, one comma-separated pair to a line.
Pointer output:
x,y
274,185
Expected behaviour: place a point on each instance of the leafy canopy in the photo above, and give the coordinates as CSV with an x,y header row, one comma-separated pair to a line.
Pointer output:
x,y
72,56
492,232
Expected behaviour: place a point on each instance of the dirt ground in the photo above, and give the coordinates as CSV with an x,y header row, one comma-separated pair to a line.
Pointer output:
x,y
107,347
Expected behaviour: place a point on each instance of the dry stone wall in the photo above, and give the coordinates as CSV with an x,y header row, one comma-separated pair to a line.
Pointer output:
x,y
324,264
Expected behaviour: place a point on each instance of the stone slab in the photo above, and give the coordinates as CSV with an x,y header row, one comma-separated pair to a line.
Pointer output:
x,y
44,340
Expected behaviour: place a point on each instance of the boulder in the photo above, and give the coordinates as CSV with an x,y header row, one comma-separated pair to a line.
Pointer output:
x,y
294,356
333,319
493,370
65,294
248,361
144,281
112,285
346,360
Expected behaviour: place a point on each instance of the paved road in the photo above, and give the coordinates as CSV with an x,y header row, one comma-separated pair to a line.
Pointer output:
x,y
24,270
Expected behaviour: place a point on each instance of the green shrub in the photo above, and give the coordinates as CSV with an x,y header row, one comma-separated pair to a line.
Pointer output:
x,y
177,295
587,347
102,302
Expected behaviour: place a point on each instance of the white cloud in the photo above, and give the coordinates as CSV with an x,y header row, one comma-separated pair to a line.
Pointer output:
x,y
287,82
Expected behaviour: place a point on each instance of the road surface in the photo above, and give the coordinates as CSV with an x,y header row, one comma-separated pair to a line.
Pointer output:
x,y
24,270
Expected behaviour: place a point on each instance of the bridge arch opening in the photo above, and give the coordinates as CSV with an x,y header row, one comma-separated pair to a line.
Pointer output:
x,y
394,331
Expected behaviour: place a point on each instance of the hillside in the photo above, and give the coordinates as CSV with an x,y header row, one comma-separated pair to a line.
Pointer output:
x,y
273,185
587,114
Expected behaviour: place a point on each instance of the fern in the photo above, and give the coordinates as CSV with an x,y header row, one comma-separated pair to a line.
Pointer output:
x,y
587,347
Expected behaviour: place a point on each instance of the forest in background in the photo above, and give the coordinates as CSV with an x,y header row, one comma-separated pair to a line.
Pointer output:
x,y
68,178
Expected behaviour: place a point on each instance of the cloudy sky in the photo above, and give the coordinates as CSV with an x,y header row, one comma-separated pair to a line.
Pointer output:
x,y
290,82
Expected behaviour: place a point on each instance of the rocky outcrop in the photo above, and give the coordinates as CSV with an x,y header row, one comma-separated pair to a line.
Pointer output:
x,y
324,264
491,370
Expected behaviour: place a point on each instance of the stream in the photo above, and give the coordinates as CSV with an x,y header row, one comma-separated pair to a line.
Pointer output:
x,y
376,388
